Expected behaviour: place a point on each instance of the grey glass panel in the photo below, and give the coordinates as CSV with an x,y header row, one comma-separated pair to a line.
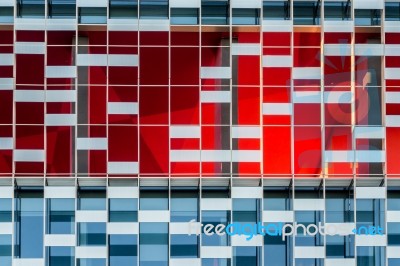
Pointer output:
x,y
184,205
392,11
31,8
28,222
339,10
306,12
184,246
154,198
246,16
6,14
5,210
123,210
393,262
5,250
215,218
91,262
123,250
92,15
92,234
92,199
184,16
153,244
374,256
215,12
60,216
154,9
340,246
276,10
215,262
249,256
60,256
61,8
277,199
123,9
367,17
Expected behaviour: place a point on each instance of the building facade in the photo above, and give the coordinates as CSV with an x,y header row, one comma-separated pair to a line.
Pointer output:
x,y
125,125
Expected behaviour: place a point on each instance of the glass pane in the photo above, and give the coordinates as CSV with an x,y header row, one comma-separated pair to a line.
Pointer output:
x,y
30,8
91,262
215,218
6,14
92,234
5,250
367,17
340,10
184,205
154,198
29,231
184,16
61,216
154,9
246,16
306,13
276,10
392,11
62,8
92,199
184,246
123,210
123,250
123,8
5,210
153,244
61,256
214,12
92,15
277,199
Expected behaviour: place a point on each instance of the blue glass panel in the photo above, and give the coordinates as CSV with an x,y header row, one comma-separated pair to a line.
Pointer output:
x,y
370,212
339,10
123,9
276,10
215,192
154,9
184,205
61,256
91,262
278,251
367,17
62,8
29,231
246,16
309,262
154,199
392,11
306,12
123,210
215,218
277,199
153,244
215,12
249,256
5,210
393,262
31,8
340,246
246,210
92,15
215,262
184,246
123,250
371,256
92,234
61,216
6,14
393,234
393,199
5,250
184,16
92,200
306,218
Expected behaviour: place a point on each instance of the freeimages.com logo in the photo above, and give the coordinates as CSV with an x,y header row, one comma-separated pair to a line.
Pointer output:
x,y
281,229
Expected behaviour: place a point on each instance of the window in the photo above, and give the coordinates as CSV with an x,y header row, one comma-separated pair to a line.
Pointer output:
x,y
216,262
30,8
92,199
184,246
184,16
214,12
246,210
123,9
337,10
5,250
29,208
184,204
92,15
92,234
340,246
6,14
306,12
91,262
339,205
5,210
153,244
392,11
276,10
371,256
154,198
367,17
249,256
246,16
154,9
215,218
278,199
62,8
123,210
60,216
60,256
370,212
123,250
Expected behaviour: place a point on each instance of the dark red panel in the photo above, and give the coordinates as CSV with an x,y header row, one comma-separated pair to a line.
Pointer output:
x,y
185,63
61,37
6,107
337,37
30,36
59,150
307,57
307,39
30,68
307,114
276,76
276,38
249,70
153,105
154,150
123,75
97,105
154,66
185,38
123,38
29,137
122,144
7,37
185,103
154,38
29,113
